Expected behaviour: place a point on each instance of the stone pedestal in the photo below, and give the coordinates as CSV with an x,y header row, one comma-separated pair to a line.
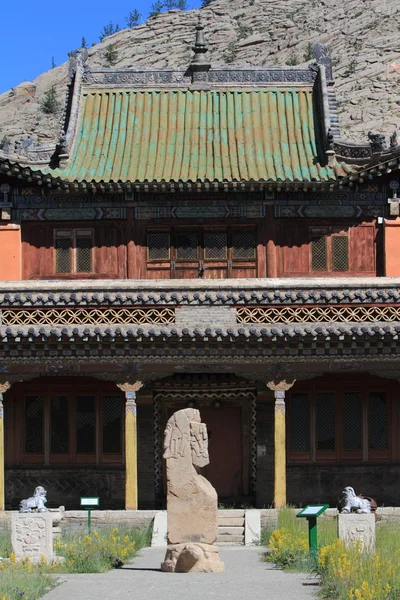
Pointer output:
x,y
32,535
192,558
354,528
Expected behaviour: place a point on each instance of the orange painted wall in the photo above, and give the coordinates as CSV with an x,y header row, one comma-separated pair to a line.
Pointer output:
x,y
392,247
10,252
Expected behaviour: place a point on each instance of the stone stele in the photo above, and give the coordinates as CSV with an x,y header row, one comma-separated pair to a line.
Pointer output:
x,y
192,502
32,535
360,528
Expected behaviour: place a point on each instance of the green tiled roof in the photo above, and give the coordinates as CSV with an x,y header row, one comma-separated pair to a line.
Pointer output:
x,y
226,135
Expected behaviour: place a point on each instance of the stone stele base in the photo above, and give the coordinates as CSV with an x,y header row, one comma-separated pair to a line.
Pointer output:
x,y
192,558
354,528
32,535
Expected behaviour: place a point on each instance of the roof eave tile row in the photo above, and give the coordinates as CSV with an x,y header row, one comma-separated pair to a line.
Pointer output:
x,y
127,332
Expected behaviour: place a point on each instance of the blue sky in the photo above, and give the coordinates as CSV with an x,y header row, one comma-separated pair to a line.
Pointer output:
x,y
32,32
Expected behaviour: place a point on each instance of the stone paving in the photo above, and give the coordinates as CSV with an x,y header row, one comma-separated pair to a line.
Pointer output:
x,y
246,576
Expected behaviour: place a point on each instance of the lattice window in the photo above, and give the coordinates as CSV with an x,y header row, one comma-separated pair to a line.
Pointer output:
x,y
187,246
74,251
111,424
303,314
319,255
59,425
299,423
63,247
84,254
352,421
243,245
215,246
158,246
377,414
340,253
34,424
326,429
85,425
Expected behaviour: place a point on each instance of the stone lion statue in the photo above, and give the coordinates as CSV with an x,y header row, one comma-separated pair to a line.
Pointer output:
x,y
352,502
36,502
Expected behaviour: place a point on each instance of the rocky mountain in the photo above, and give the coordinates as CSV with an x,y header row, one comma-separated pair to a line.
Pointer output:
x,y
363,35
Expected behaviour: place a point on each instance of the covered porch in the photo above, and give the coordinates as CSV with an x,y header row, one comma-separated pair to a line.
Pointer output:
x,y
297,381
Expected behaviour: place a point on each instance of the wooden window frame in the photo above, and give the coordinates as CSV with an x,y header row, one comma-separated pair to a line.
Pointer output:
x,y
340,454
229,230
328,232
72,457
74,234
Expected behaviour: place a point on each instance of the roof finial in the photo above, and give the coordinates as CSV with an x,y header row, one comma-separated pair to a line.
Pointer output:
x,y
200,48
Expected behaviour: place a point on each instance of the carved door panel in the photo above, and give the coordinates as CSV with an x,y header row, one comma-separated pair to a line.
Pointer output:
x,y
187,256
224,426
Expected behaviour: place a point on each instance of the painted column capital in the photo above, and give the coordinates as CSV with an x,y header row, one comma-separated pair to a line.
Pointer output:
x,y
130,390
280,385
4,386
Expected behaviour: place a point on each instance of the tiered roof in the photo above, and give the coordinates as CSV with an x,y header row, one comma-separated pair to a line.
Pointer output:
x,y
212,127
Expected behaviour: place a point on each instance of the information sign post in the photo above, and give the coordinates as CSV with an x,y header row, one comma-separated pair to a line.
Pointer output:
x,y
89,503
311,512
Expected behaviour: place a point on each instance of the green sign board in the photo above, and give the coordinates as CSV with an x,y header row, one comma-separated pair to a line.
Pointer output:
x,y
311,512
89,503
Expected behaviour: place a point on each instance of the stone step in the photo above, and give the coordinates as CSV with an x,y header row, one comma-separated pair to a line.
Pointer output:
x,y
231,522
225,544
230,531
235,512
231,540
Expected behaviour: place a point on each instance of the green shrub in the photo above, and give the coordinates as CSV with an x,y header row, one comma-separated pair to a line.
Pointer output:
x,y
244,31
230,53
103,550
111,54
50,104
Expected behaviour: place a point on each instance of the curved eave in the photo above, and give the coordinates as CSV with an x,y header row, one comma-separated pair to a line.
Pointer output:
x,y
266,332
31,175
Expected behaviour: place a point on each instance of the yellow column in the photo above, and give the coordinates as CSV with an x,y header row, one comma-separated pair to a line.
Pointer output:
x,y
131,471
280,450
3,388
279,388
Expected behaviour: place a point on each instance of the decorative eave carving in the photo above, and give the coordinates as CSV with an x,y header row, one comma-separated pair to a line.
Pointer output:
x,y
215,77
257,292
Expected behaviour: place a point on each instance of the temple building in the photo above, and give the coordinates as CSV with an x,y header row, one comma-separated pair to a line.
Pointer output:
x,y
200,237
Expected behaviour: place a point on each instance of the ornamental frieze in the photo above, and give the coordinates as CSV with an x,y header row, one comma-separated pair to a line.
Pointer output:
x,y
151,78
236,292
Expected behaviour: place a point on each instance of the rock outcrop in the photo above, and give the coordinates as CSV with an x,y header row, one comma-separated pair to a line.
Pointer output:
x,y
364,37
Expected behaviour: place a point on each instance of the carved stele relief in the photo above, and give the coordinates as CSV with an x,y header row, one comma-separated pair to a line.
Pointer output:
x,y
357,529
192,501
32,535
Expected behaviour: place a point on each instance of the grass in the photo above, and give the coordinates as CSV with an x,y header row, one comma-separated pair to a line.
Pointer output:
x,y
345,573
5,544
22,580
104,550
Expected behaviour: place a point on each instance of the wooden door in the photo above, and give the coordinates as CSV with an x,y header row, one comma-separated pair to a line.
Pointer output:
x,y
224,426
186,252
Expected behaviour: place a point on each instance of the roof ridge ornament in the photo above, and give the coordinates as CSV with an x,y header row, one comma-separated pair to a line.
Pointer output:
x,y
199,62
323,57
